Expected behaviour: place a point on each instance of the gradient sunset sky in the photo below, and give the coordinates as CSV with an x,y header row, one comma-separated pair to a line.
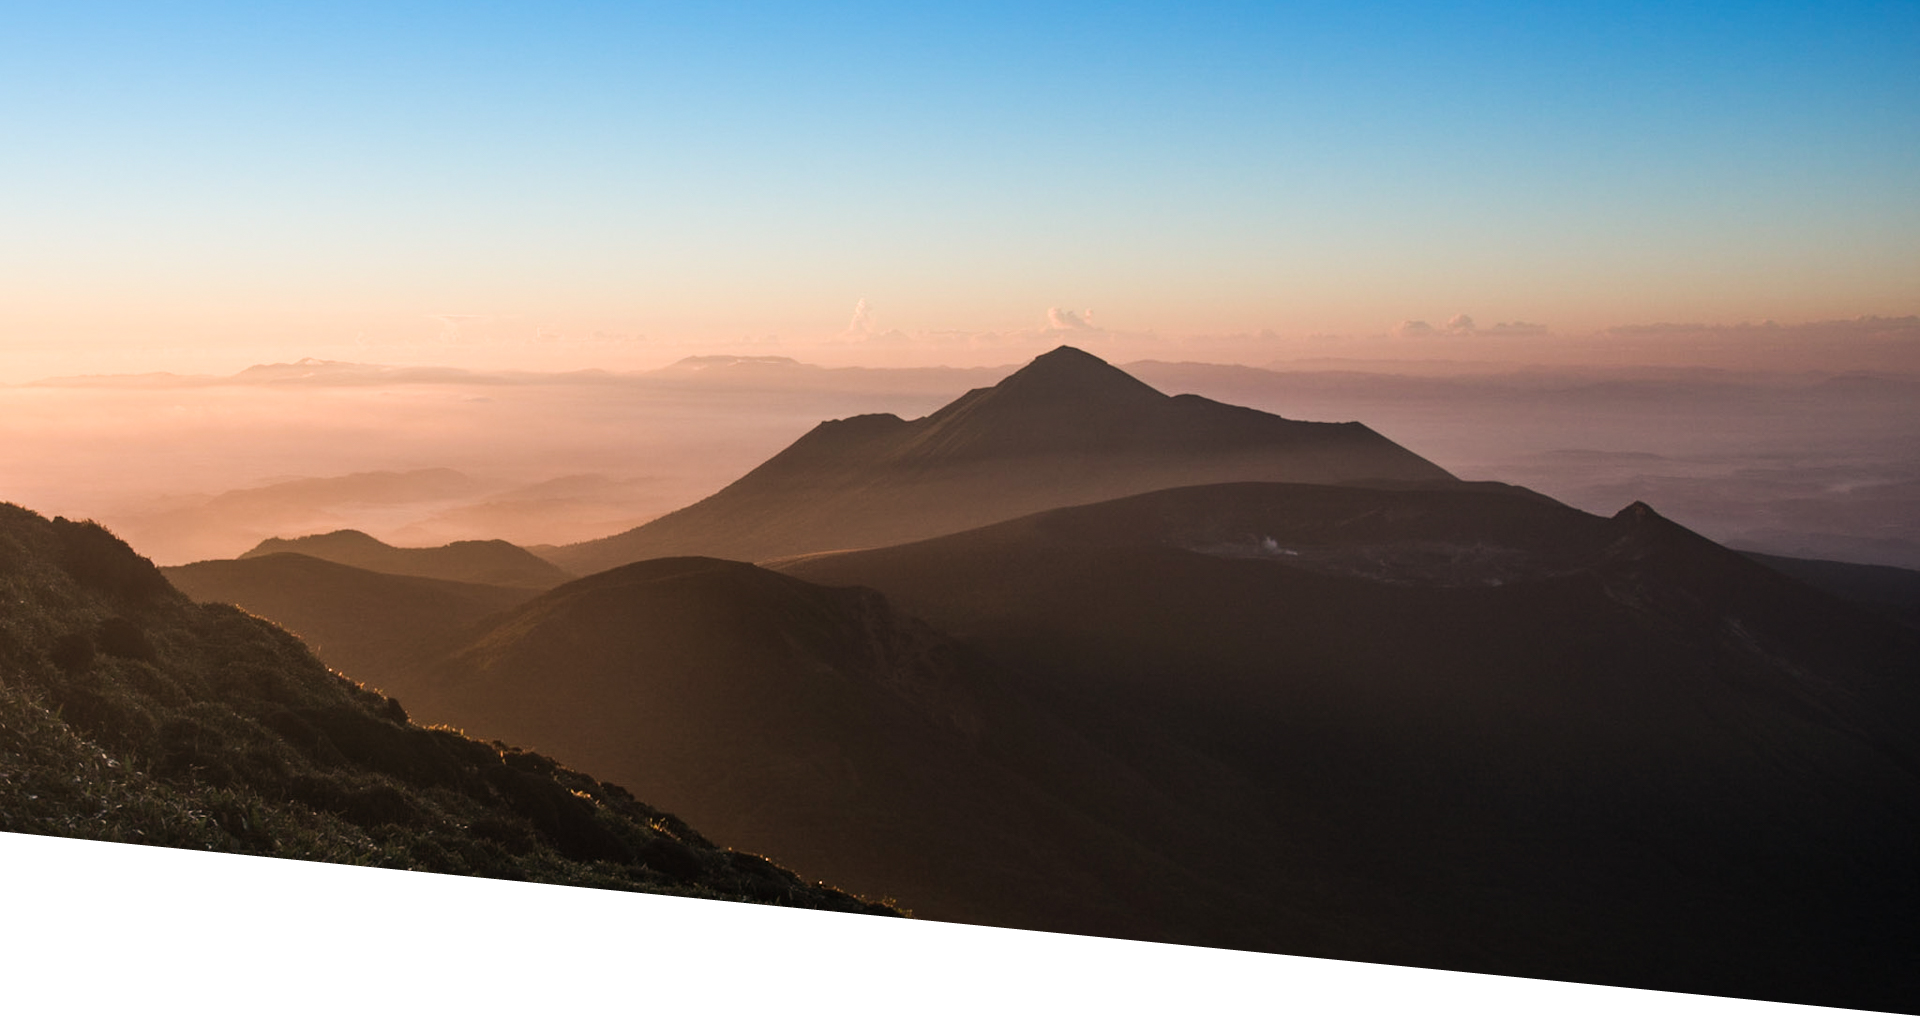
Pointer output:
x,y
204,186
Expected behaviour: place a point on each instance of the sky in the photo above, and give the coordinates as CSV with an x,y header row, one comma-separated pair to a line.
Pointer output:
x,y
206,186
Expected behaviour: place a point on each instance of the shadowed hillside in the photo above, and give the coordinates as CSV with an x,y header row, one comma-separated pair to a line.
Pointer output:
x,y
841,738
128,713
1500,734
1067,429
493,562
1894,591
1462,727
367,624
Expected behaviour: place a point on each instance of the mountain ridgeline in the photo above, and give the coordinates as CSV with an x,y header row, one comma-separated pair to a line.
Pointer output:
x,y
1462,727
371,625
1074,655
129,713
493,562
1067,429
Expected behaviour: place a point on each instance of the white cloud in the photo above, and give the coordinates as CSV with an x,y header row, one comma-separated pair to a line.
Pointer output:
x,y
1064,320
862,323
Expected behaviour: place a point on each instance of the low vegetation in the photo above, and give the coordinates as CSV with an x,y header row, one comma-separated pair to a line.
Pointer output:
x,y
129,713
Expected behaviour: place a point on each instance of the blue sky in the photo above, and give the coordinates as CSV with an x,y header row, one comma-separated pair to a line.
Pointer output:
x,y
213,172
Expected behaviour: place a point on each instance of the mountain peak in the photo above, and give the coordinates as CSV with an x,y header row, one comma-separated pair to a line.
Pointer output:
x,y
338,540
1066,429
1074,374
1638,512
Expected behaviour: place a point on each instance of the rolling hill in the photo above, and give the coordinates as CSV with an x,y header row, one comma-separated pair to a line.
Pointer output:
x,y
840,737
1066,429
129,713
371,625
492,562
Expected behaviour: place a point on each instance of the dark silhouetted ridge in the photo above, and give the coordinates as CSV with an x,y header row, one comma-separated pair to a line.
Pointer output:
x,y
1475,729
492,562
1454,725
848,741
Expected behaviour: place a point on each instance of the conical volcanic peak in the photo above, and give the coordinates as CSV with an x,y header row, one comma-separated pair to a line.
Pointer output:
x,y
1066,401
1638,512
1069,375
1067,429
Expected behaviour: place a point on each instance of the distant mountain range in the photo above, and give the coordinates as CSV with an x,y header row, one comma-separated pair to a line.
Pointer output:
x,y
494,562
1075,655
1066,429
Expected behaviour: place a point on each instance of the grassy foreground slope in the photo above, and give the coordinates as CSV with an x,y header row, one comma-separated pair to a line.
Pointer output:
x,y
129,713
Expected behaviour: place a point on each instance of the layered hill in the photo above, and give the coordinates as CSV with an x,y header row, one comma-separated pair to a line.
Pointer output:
x,y
129,713
1475,729
371,625
842,738
1067,429
1460,726
492,562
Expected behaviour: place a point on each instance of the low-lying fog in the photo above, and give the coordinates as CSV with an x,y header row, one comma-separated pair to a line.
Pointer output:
x,y
1802,463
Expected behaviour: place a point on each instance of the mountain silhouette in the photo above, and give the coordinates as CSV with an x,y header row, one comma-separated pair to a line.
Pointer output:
x,y
1066,429
129,713
492,562
1471,728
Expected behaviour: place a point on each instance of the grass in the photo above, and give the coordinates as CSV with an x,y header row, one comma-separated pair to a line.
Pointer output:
x,y
129,713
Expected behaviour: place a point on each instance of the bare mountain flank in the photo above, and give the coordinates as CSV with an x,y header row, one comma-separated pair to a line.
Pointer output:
x,y
1067,429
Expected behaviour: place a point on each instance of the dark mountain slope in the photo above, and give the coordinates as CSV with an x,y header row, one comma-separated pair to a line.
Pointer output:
x,y
1499,734
493,562
1067,429
850,742
370,625
1894,591
129,713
